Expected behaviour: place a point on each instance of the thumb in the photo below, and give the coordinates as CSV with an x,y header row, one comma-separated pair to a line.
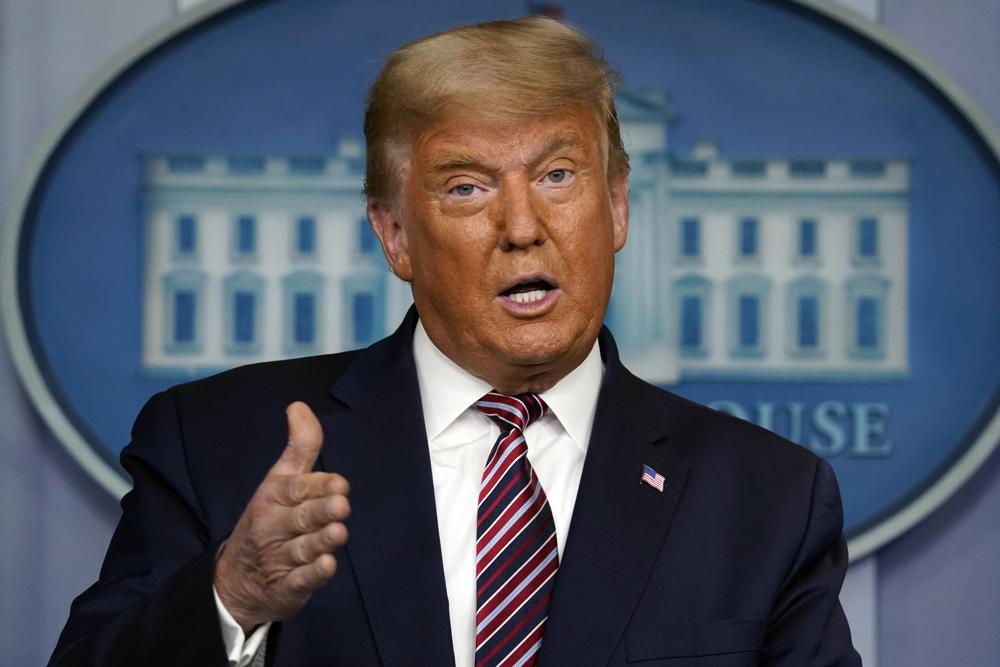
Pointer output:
x,y
305,438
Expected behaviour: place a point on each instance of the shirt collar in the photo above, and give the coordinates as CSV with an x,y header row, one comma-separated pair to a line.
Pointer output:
x,y
447,390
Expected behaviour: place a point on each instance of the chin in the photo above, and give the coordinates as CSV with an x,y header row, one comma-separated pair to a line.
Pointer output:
x,y
537,348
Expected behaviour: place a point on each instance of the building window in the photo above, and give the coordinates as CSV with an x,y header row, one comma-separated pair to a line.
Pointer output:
x,y
806,168
304,318
184,316
244,316
866,308
303,301
310,165
185,164
806,299
748,168
246,164
692,307
363,316
808,322
182,299
748,315
867,241
749,319
867,334
186,236
367,241
691,322
748,242
245,236
305,236
364,301
683,167
690,238
867,168
244,303
807,238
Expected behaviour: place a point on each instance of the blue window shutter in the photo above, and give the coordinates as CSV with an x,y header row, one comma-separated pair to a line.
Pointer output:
x,y
748,237
868,237
749,321
244,316
807,238
808,321
367,241
690,237
305,318
691,322
867,323
246,235
184,316
186,235
306,241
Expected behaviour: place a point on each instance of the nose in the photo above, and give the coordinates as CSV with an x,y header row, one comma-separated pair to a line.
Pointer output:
x,y
520,217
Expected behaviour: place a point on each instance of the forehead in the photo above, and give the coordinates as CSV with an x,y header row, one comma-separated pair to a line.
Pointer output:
x,y
462,138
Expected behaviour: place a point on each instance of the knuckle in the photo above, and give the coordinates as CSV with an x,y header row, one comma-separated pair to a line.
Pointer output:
x,y
298,489
300,522
257,534
300,553
298,583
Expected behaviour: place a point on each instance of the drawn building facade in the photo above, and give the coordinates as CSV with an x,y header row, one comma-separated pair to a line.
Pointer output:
x,y
735,268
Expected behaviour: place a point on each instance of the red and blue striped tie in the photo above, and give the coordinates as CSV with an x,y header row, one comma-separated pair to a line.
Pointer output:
x,y
516,553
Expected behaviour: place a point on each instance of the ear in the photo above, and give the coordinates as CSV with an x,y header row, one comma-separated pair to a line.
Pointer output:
x,y
386,225
619,209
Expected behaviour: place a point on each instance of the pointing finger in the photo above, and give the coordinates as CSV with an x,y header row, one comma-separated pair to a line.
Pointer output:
x,y
305,438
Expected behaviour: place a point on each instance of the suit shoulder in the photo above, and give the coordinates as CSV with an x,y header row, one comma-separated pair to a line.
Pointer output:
x,y
715,435
292,379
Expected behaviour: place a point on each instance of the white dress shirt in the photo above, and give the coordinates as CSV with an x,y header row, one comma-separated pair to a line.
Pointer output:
x,y
460,437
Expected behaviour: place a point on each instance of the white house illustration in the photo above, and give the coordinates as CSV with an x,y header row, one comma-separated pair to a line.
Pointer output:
x,y
735,267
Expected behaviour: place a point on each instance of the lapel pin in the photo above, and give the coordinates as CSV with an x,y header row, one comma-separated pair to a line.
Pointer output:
x,y
652,478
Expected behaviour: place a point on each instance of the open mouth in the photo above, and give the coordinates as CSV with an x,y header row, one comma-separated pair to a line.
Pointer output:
x,y
530,290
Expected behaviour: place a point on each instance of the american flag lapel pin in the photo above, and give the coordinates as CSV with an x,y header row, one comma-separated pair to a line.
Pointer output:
x,y
652,478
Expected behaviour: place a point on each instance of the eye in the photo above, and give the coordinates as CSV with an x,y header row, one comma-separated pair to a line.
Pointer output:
x,y
464,190
557,176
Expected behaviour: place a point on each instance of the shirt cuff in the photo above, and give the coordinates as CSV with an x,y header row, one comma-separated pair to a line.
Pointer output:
x,y
240,649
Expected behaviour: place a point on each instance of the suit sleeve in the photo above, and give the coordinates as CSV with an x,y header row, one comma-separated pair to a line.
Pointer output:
x,y
808,626
153,602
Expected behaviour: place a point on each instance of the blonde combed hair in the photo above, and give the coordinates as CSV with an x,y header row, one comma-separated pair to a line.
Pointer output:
x,y
502,71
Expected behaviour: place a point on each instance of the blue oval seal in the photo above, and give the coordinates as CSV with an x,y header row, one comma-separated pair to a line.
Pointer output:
x,y
813,245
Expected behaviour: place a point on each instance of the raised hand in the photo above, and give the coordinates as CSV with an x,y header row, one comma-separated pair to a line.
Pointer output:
x,y
281,548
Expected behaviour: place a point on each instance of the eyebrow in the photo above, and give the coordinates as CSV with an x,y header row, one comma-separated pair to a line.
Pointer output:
x,y
454,160
464,160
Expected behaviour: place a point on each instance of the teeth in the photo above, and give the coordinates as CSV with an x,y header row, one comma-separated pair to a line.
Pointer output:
x,y
529,297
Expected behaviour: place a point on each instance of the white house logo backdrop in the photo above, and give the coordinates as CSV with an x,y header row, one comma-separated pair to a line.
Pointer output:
x,y
813,246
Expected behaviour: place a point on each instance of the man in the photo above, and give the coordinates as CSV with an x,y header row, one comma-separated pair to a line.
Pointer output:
x,y
517,496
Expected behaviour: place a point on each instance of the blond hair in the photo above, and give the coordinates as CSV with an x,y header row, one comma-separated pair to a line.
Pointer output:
x,y
515,70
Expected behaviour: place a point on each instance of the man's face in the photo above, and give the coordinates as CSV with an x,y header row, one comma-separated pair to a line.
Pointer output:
x,y
508,234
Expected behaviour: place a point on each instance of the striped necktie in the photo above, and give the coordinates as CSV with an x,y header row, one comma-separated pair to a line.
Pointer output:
x,y
516,553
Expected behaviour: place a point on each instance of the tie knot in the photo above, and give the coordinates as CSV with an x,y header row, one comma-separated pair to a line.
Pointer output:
x,y
512,412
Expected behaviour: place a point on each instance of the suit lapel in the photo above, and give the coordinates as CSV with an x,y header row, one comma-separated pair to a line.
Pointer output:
x,y
618,525
379,444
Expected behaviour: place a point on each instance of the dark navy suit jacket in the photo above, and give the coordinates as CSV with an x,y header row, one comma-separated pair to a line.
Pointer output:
x,y
739,561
